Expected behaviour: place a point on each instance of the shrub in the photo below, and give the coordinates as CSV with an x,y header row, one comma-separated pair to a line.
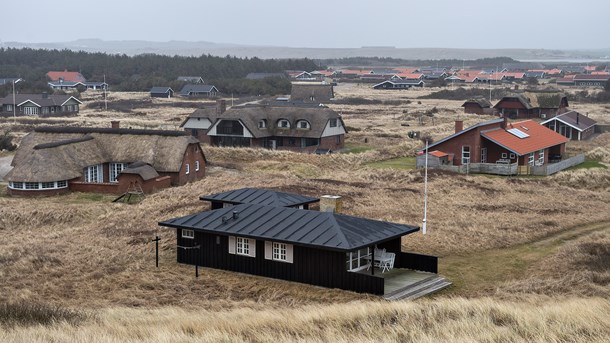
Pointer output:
x,y
6,142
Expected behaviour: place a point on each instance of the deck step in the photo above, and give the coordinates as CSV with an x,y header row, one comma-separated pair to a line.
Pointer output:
x,y
419,289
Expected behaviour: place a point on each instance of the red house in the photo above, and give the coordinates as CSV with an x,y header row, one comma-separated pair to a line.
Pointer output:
x,y
498,141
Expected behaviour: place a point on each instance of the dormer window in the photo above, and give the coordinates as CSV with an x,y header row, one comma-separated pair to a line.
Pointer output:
x,y
333,122
303,124
262,124
283,123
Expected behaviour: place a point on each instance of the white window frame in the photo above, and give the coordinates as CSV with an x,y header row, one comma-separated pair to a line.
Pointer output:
x,y
333,122
356,261
188,233
303,125
483,155
33,186
280,252
115,170
531,159
187,169
512,155
242,246
503,155
262,124
465,154
283,124
197,165
94,174
541,157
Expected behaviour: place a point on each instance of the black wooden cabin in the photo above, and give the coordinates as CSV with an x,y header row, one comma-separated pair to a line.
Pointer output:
x,y
292,244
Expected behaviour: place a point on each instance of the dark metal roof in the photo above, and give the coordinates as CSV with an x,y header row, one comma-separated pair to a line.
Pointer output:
x,y
199,88
161,90
574,119
325,230
260,197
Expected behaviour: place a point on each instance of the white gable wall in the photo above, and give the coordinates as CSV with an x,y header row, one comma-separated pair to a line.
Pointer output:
x,y
197,123
333,131
247,132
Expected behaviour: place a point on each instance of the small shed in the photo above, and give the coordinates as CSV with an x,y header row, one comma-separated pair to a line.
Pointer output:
x,y
435,159
477,106
161,92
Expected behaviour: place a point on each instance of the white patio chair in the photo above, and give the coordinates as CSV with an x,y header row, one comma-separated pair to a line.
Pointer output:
x,y
387,262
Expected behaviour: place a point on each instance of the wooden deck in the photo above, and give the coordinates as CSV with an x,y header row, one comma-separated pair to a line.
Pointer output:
x,y
409,284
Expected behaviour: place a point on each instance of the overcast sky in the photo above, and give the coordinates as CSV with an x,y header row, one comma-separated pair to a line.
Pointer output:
x,y
558,24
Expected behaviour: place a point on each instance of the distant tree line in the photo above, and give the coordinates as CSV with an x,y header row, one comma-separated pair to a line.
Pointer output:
x,y
141,72
389,62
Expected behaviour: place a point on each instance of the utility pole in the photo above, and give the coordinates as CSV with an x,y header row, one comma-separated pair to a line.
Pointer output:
x,y
425,190
105,100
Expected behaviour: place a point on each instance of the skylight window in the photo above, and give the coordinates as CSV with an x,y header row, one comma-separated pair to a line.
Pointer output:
x,y
518,133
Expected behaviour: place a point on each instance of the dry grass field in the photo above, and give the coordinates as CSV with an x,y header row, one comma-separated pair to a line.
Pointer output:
x,y
529,256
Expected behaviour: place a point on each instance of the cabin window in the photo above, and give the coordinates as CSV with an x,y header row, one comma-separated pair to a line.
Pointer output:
x,y
465,154
541,157
504,155
115,170
357,260
188,169
196,165
305,142
279,251
262,124
30,110
62,184
338,139
9,107
47,185
531,159
31,185
333,122
483,155
512,156
243,246
94,174
187,233
15,185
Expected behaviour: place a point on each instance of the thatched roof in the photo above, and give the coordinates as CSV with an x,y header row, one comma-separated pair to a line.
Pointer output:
x,y
484,103
538,99
304,91
54,154
145,170
250,115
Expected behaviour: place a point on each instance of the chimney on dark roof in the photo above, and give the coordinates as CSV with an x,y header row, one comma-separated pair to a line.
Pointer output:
x,y
577,118
459,125
115,124
221,106
504,122
45,95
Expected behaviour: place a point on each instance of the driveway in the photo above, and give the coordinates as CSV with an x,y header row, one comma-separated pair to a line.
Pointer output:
x,y
5,166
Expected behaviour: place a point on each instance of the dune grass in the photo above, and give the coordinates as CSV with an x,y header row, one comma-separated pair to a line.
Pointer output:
x,y
403,163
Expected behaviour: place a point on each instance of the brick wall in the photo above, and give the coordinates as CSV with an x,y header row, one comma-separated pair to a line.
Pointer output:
x,y
192,154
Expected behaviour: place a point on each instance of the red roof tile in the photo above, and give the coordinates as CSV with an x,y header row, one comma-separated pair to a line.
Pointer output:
x,y
539,137
72,76
438,153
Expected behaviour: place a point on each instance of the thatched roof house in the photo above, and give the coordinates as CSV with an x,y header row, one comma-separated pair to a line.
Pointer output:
x,y
91,159
304,127
319,92
533,104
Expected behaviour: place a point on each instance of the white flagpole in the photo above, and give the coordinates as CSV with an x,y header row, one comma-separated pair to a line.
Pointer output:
x,y
105,100
425,191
